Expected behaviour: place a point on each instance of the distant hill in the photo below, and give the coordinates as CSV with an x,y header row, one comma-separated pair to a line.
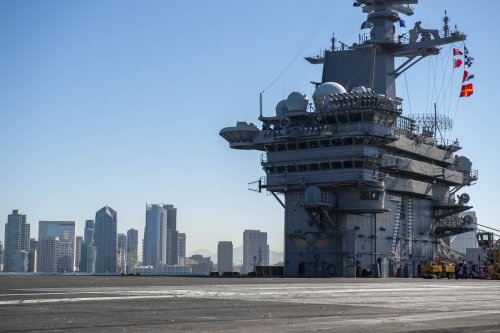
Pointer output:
x,y
205,253
274,256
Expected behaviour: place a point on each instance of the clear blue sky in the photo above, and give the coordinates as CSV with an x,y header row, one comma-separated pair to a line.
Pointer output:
x,y
120,103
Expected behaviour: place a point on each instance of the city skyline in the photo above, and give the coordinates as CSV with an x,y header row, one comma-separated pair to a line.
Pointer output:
x,y
69,71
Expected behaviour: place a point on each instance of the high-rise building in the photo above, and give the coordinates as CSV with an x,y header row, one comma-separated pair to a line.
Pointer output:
x,y
225,257
172,236
49,249
17,238
33,255
88,235
182,248
255,250
122,253
65,231
132,247
88,258
155,236
78,251
105,239
468,240
1,256
88,250
21,261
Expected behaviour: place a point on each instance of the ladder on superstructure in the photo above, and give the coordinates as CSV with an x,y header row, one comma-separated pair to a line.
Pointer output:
x,y
410,226
396,226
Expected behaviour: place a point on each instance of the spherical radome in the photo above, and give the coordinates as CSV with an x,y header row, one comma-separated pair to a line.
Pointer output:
x,y
281,108
297,101
323,91
328,88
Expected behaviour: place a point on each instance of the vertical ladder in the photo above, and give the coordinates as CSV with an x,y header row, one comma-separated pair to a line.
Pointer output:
x,y
396,227
410,226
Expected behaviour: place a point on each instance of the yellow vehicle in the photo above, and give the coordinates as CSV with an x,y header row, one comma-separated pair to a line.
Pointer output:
x,y
448,270
438,270
431,271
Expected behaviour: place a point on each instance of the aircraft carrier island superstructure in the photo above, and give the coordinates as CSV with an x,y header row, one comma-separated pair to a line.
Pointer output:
x,y
367,191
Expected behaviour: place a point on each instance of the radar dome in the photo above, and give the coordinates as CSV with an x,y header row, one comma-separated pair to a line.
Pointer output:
x,y
323,91
297,101
281,109
464,164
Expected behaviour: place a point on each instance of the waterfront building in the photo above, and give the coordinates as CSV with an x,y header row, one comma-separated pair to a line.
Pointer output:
x,y
155,236
1,256
17,236
105,239
122,253
199,264
78,251
49,254
162,270
65,231
132,248
182,248
88,235
255,250
225,257
20,261
88,258
172,235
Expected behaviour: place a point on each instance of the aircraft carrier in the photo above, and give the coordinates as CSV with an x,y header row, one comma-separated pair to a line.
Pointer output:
x,y
366,190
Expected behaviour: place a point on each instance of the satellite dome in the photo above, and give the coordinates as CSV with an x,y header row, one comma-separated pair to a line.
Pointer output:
x,y
297,101
323,91
281,108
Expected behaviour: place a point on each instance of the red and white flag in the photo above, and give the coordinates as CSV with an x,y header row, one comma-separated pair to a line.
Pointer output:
x,y
457,63
457,52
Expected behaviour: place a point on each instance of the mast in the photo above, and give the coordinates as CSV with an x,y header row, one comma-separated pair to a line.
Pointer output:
x,y
372,62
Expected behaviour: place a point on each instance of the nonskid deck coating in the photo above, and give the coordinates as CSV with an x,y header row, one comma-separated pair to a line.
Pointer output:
x,y
247,305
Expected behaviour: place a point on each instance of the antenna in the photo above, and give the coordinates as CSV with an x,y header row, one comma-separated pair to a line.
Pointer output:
x,y
260,98
446,28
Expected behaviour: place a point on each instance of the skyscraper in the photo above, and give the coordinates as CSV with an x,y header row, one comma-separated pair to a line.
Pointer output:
x,y
33,253
105,238
65,231
49,249
88,258
225,257
255,250
78,251
88,250
132,246
88,235
182,248
17,237
122,253
172,236
155,236
1,256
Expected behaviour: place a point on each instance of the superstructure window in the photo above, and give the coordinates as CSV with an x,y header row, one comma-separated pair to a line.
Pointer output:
x,y
369,195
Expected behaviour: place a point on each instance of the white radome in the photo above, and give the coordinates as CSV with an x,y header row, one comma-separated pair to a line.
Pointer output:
x,y
323,91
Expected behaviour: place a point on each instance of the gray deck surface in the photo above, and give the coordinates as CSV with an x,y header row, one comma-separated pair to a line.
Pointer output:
x,y
174,304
